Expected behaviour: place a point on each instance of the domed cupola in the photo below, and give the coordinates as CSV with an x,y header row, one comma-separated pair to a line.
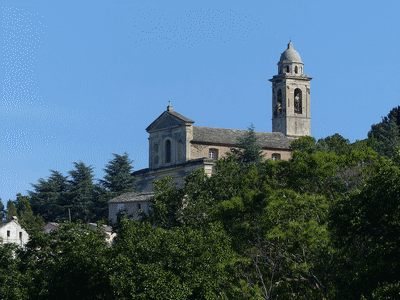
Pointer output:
x,y
290,62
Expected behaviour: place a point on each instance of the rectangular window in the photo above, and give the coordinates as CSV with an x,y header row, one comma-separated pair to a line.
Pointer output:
x,y
20,235
213,154
139,206
8,233
120,207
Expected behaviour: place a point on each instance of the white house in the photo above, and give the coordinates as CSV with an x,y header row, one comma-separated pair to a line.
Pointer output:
x,y
12,232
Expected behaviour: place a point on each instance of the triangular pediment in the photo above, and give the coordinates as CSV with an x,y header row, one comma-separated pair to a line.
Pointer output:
x,y
166,120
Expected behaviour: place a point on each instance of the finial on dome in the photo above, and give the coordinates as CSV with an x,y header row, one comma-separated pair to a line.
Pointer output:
x,y
290,45
169,107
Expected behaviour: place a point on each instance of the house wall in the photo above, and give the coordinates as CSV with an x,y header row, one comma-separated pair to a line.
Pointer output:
x,y
130,207
14,229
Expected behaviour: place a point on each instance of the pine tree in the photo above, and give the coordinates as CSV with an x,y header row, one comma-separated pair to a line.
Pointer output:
x,y
48,196
118,178
81,193
247,148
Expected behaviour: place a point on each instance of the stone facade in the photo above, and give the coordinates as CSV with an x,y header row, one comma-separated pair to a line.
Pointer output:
x,y
177,147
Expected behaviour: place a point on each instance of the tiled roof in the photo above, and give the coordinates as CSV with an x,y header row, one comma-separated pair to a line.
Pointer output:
x,y
229,137
132,197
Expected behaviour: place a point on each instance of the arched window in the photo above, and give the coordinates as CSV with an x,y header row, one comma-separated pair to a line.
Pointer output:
x,y
213,153
295,69
167,151
287,69
298,104
276,156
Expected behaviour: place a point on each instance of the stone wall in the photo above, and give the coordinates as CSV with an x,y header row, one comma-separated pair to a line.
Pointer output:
x,y
199,150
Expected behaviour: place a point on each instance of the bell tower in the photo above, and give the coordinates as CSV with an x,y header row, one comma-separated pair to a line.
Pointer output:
x,y
291,96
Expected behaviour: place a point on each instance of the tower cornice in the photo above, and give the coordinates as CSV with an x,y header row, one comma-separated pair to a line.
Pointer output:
x,y
276,78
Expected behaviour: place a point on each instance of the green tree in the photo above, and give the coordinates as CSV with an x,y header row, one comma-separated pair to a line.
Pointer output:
x,y
81,193
247,148
334,143
28,220
387,138
72,262
118,178
13,283
2,211
304,143
11,210
366,228
180,263
393,115
48,197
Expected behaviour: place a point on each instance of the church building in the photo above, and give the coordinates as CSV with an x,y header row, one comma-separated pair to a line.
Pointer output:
x,y
177,147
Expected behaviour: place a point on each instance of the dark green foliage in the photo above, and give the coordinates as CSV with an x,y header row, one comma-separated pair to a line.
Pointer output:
x,y
155,263
81,192
366,227
13,283
385,136
387,139
118,178
304,144
11,210
334,144
247,148
26,217
166,205
48,196
393,115
69,263
58,196
2,211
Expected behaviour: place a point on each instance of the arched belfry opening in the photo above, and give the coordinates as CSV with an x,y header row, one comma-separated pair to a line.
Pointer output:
x,y
298,103
278,108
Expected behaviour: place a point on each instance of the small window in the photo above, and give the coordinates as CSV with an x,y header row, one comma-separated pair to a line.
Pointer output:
x,y
295,69
276,156
8,233
149,206
213,154
139,206
120,207
20,235
287,69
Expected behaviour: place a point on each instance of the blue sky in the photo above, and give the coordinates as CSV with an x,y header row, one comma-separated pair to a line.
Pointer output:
x,y
81,80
